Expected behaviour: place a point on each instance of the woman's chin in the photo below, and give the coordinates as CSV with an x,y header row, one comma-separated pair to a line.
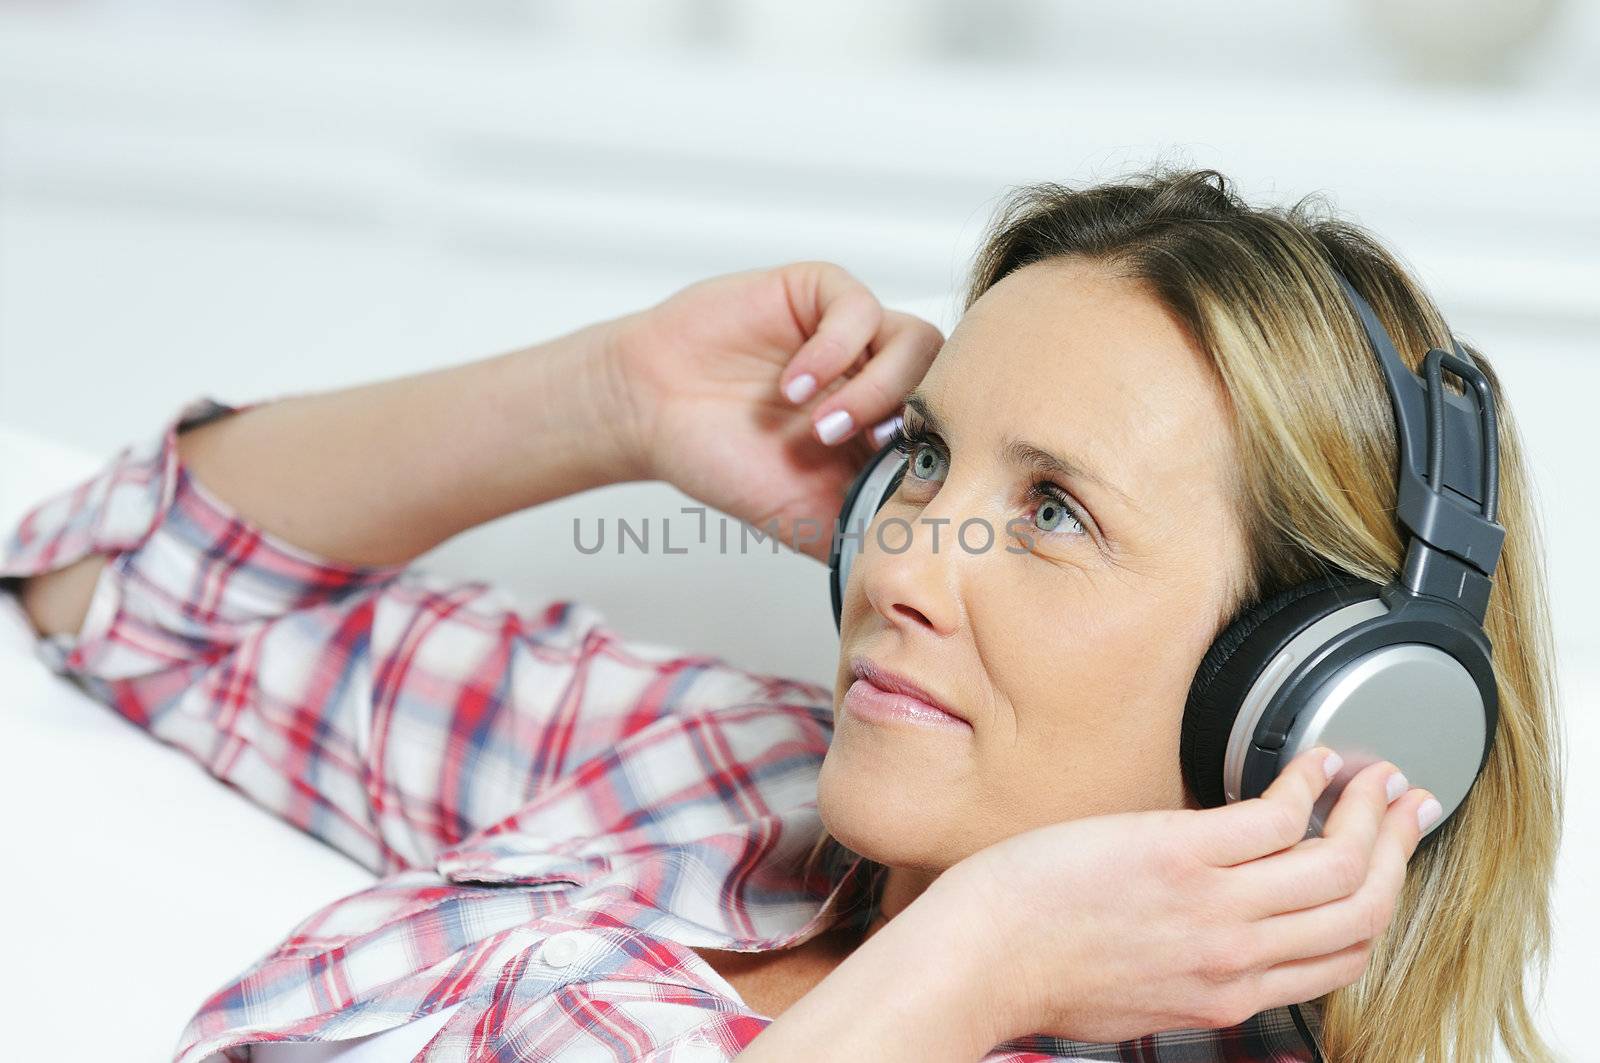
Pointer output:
x,y
893,818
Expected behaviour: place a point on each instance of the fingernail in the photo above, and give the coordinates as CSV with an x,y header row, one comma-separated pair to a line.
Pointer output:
x,y
1397,785
882,431
800,388
1331,766
1428,813
832,428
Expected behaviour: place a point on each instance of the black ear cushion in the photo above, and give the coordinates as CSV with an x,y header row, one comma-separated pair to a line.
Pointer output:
x,y
836,579
1235,658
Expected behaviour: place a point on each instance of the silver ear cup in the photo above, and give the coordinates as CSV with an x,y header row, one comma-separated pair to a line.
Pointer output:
x,y
872,487
1246,724
1370,698
1411,704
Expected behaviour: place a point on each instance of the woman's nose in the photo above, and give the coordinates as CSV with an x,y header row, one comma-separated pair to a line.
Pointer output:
x,y
916,615
912,572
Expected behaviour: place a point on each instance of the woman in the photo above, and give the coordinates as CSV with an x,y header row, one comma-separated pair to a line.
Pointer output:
x,y
599,848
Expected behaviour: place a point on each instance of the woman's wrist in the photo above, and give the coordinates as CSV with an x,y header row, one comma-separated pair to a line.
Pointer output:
x,y
923,987
968,897
623,406
580,387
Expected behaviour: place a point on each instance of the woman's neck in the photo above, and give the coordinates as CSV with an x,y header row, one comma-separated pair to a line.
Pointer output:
x,y
899,888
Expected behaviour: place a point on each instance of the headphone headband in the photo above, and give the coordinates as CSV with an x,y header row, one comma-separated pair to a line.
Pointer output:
x,y
1449,505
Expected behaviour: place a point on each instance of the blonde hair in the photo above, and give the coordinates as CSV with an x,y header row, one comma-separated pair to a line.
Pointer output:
x,y
1315,432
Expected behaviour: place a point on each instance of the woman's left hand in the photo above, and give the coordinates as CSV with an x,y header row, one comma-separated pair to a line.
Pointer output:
x,y
716,389
1125,924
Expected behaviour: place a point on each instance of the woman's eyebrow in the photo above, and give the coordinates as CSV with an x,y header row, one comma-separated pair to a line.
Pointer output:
x,y
1042,462
1021,452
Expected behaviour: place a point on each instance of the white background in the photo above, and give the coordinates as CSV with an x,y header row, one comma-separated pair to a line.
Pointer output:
x,y
246,199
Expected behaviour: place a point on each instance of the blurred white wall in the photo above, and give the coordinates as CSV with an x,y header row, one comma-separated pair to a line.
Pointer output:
x,y
248,198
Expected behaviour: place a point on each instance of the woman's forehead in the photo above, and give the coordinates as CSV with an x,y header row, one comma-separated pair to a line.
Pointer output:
x,y
1091,367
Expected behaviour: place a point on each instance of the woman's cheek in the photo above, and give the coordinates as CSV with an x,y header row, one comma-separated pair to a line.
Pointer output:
x,y
1089,685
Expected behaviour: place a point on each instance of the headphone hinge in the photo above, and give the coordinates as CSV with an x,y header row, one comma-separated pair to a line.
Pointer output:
x,y
1437,574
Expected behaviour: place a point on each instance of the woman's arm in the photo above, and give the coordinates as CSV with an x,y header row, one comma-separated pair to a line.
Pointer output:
x,y
379,473
383,472
928,986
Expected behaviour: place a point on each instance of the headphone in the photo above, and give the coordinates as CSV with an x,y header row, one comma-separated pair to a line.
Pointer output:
x,y
1399,672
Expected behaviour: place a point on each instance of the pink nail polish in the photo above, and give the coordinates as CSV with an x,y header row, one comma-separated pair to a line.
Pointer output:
x,y
834,427
885,429
800,388
1428,813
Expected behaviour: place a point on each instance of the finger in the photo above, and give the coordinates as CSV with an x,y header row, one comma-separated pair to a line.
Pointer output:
x,y
1302,980
842,316
1252,828
883,430
1363,915
1320,870
907,347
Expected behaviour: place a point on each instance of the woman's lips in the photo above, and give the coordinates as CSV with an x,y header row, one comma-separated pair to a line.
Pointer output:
x,y
883,696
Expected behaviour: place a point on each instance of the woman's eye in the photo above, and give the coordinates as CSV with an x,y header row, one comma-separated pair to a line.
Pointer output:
x,y
926,462
1052,513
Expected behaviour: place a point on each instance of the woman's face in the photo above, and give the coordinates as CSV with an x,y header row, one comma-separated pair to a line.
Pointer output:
x,y
1069,652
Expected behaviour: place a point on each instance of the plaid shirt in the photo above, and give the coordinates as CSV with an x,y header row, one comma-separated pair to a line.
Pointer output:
x,y
515,773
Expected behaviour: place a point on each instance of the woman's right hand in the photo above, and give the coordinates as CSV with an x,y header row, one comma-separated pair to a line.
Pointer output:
x,y
1134,923
706,389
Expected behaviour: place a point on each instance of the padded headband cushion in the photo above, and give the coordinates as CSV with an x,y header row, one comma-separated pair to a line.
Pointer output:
x,y
1234,660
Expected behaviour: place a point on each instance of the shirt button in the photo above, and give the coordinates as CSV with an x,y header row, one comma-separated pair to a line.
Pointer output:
x,y
562,949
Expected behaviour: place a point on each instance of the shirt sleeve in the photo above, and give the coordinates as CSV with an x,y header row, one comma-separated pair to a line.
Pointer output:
x,y
187,576
385,709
